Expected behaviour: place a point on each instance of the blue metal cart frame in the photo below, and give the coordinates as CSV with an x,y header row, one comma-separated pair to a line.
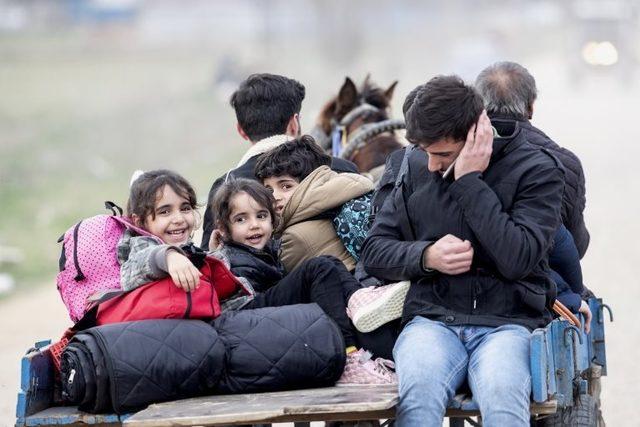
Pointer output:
x,y
566,366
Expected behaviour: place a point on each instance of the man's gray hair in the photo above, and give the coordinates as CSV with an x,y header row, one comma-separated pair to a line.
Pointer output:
x,y
508,89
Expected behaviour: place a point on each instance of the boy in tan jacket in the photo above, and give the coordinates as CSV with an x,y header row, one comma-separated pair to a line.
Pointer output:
x,y
308,194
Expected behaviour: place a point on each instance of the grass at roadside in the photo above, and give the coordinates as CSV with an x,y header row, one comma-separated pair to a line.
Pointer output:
x,y
75,125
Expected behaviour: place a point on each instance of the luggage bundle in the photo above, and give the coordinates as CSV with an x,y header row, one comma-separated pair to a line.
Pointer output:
x,y
123,367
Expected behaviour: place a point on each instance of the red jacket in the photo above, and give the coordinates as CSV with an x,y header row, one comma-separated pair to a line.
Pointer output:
x,y
162,299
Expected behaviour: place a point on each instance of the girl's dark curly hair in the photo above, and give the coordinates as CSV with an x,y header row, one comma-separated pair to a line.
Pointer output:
x,y
221,201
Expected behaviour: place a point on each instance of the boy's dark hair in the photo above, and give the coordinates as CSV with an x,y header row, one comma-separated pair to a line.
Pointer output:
x,y
297,158
144,192
264,104
221,201
444,107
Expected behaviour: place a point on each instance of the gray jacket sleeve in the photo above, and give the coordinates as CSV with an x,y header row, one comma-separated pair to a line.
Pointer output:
x,y
142,260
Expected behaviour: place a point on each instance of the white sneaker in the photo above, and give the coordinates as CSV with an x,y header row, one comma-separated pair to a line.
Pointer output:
x,y
370,308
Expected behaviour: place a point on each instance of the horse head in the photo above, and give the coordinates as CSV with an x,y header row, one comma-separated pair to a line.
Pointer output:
x,y
351,109
349,98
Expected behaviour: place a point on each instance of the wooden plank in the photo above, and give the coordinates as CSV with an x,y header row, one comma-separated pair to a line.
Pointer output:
x,y
333,403
68,415
326,404
544,408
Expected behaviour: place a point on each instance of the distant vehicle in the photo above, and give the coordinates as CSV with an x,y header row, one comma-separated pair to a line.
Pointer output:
x,y
603,38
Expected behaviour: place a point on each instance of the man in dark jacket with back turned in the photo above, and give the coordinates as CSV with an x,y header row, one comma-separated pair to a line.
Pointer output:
x,y
267,107
509,91
474,242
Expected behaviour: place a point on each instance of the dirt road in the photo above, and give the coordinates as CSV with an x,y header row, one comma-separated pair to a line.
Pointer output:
x,y
26,318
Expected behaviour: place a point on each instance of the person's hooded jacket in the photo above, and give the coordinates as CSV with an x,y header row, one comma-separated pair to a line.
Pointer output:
x,y
261,267
306,230
574,194
509,213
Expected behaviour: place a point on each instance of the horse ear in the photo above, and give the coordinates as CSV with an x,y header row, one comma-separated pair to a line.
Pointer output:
x,y
347,96
389,92
366,82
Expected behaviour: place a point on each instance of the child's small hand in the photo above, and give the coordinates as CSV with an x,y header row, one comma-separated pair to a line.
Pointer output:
x,y
185,275
215,241
586,312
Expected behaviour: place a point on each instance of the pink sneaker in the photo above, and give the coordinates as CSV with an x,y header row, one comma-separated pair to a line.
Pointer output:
x,y
372,307
360,369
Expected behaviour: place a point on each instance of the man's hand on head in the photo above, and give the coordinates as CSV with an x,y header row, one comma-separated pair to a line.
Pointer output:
x,y
476,153
449,255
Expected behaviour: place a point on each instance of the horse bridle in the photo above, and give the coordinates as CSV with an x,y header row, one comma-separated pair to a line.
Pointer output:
x,y
349,145
366,132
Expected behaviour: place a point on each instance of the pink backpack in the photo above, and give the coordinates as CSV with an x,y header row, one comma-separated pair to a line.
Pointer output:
x,y
89,259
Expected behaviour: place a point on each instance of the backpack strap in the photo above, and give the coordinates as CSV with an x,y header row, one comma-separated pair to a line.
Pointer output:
x,y
115,209
126,221
399,197
130,226
404,166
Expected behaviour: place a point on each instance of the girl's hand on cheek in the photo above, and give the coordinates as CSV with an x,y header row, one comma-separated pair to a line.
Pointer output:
x,y
183,273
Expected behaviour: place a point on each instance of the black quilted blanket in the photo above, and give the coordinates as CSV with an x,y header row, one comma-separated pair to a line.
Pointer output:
x,y
124,367
280,348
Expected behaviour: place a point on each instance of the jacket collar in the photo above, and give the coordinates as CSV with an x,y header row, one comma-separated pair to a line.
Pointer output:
x,y
270,250
263,146
509,131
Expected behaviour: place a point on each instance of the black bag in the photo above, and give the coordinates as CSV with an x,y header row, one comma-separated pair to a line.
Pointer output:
x,y
123,367
280,348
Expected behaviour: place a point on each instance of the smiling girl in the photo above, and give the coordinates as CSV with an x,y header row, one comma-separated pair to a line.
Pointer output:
x,y
164,204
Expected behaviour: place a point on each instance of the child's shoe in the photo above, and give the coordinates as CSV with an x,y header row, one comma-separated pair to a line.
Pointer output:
x,y
360,369
370,308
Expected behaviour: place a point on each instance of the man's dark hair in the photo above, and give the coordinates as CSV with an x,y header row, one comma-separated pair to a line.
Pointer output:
x,y
508,90
444,107
221,201
264,104
297,158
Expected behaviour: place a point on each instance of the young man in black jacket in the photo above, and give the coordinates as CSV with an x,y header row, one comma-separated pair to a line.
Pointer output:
x,y
509,91
267,108
473,238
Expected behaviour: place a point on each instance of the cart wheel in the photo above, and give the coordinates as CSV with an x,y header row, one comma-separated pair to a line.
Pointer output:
x,y
584,413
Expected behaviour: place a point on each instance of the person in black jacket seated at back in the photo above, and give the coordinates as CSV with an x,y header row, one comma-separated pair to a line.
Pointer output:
x,y
509,91
566,272
473,238
246,218
267,108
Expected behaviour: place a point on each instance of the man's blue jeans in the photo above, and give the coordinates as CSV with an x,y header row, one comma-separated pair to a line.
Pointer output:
x,y
433,360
